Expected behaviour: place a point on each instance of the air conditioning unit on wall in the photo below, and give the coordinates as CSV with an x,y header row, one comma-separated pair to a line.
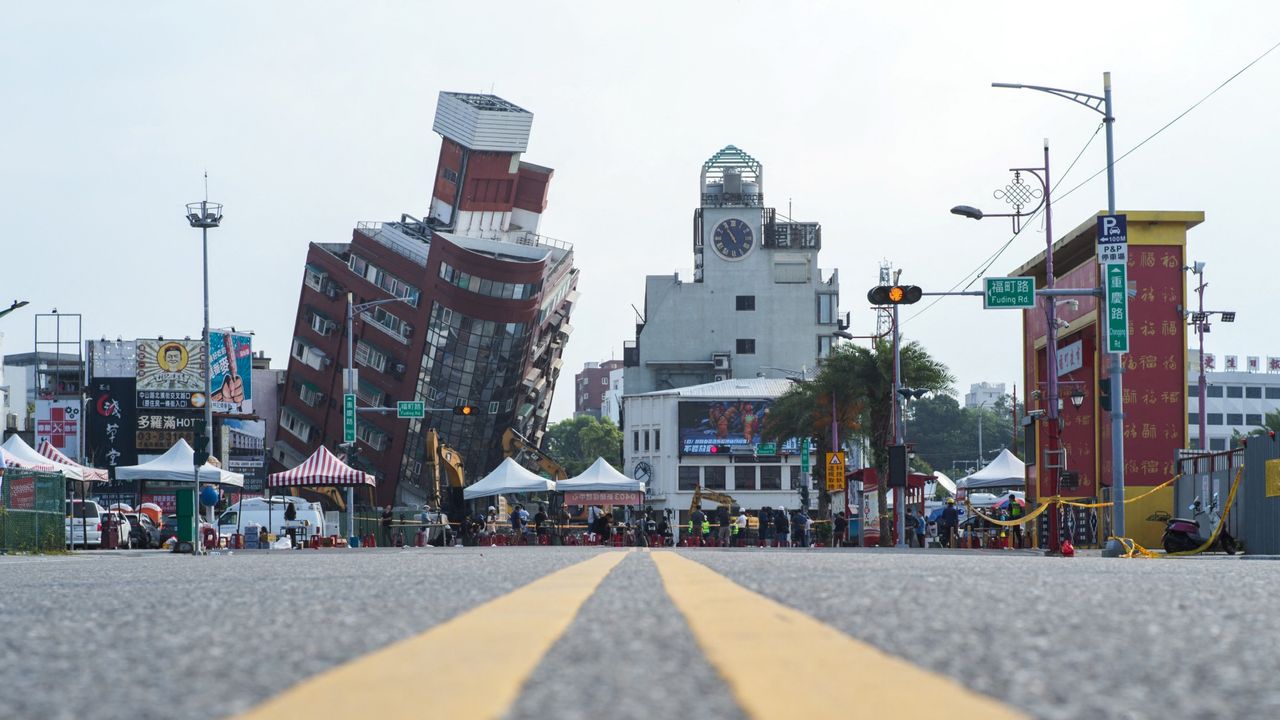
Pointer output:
x,y
721,360
720,377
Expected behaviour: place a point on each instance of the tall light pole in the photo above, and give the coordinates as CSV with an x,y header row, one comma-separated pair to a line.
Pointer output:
x,y
204,215
1102,106
1019,195
1200,319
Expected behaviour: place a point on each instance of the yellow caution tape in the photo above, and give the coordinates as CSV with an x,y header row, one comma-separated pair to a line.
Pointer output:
x,y
1032,515
1132,548
1074,503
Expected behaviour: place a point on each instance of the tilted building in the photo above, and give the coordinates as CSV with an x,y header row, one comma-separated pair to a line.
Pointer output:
x,y
479,314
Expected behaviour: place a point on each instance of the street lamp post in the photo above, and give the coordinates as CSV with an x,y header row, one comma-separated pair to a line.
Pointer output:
x,y
1200,319
349,382
204,215
1102,106
1019,195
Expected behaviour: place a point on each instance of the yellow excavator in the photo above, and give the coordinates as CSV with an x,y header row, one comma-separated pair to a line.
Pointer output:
x,y
519,448
443,467
700,493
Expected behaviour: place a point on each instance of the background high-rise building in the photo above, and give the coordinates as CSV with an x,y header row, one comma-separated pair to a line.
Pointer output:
x,y
591,387
983,394
482,317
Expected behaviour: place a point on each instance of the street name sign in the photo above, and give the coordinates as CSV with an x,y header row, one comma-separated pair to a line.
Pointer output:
x,y
349,418
411,409
1009,293
767,449
835,472
804,456
1116,278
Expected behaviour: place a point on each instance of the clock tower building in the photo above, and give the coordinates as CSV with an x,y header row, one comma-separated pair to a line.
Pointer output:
x,y
758,304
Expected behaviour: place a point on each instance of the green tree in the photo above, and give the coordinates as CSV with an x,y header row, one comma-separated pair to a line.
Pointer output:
x,y
577,442
858,382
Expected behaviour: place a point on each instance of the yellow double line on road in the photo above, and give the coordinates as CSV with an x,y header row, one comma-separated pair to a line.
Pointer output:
x,y
783,667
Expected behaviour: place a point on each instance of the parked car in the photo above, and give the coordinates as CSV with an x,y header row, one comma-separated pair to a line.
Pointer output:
x,y
84,523
123,530
145,532
170,529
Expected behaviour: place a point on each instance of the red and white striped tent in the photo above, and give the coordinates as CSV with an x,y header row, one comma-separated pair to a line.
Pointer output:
x,y
322,468
56,455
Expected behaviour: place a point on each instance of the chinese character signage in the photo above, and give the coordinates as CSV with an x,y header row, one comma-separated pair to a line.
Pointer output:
x,y
111,419
1232,363
1273,364
231,372
159,430
171,374
58,421
1070,357
1210,362
1254,363
1113,240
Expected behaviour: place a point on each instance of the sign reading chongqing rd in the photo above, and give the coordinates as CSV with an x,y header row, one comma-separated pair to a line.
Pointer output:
x,y
1115,276
1009,293
835,472
349,418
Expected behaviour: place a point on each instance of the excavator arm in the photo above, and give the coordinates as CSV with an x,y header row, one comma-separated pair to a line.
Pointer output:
x,y
518,447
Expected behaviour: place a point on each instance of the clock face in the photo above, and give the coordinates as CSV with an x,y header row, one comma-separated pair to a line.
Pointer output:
x,y
733,239
642,471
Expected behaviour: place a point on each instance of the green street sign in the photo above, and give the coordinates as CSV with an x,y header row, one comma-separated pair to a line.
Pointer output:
x,y
767,449
411,409
349,418
1117,278
804,456
1009,293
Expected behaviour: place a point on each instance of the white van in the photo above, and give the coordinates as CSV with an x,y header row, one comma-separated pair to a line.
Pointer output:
x,y
269,513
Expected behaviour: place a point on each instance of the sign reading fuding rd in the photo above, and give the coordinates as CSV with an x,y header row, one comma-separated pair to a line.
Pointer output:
x,y
1009,293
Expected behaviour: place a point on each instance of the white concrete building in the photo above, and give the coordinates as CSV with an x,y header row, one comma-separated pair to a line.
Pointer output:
x,y
758,305
1237,400
983,394
611,407
670,436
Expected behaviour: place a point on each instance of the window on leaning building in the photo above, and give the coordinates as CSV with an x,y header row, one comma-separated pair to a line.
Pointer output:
x,y
688,477
294,423
368,356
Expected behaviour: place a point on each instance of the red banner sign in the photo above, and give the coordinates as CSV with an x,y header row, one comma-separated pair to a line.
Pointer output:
x,y
603,498
22,494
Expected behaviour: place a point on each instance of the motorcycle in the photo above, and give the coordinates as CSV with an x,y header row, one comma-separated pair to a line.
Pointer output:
x,y
1183,534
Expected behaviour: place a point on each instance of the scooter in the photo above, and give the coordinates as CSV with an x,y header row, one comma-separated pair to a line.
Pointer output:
x,y
1183,534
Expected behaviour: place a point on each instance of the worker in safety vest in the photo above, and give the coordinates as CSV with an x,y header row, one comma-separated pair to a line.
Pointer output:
x,y
706,529
1016,511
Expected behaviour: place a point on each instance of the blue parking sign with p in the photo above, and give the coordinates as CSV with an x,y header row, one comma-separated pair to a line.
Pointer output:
x,y
1113,229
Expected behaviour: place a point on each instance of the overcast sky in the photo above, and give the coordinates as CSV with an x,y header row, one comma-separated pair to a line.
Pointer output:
x,y
871,118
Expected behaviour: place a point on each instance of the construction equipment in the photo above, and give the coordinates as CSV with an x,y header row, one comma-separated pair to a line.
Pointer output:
x,y
700,493
443,466
519,448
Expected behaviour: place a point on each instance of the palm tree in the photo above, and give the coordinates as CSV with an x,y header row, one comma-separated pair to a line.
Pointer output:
x,y
861,380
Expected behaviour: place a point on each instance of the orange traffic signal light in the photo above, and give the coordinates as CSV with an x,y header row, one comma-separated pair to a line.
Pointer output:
x,y
464,410
894,295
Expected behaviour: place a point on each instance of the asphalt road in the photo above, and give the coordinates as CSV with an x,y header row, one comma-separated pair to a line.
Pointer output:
x,y
153,635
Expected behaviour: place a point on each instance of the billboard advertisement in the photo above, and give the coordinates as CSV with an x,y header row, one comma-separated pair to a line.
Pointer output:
x,y
111,423
737,423
245,451
231,372
159,430
171,374
59,422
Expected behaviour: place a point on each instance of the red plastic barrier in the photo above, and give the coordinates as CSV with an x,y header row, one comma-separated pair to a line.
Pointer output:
x,y
210,537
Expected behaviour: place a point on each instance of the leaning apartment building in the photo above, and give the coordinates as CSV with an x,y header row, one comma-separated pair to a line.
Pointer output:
x,y
481,320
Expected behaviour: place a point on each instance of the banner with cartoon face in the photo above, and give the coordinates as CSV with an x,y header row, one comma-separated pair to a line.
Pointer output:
x,y
171,374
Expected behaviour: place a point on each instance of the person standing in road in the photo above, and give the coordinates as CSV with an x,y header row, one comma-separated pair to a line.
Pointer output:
x,y
947,523
386,526
742,527
764,519
1016,511
920,529
696,519
909,527
724,525
781,527
839,526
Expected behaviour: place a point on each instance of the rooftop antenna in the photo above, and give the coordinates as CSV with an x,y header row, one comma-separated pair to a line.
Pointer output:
x,y
206,184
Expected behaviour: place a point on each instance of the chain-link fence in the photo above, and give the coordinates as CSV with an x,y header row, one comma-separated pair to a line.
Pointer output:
x,y
32,511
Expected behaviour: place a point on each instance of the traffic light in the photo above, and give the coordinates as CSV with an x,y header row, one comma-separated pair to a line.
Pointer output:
x,y
1104,394
464,409
720,449
897,466
201,453
894,295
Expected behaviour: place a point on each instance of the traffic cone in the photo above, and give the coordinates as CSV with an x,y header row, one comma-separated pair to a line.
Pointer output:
x,y
1068,550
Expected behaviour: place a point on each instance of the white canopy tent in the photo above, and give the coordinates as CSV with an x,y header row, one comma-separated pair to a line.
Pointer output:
x,y
509,478
601,476
18,453
947,483
1006,471
177,465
